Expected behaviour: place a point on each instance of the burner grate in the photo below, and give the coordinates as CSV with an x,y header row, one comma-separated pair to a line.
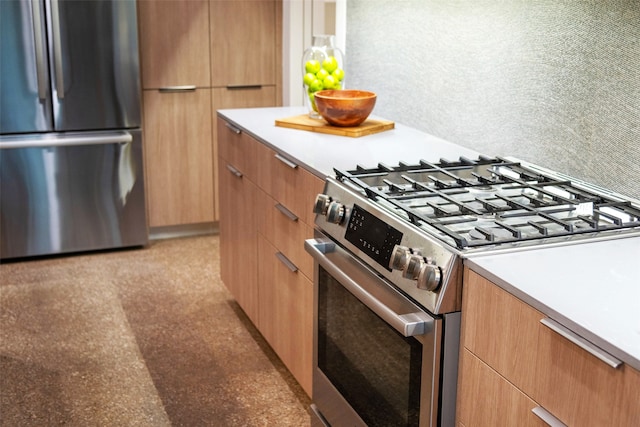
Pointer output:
x,y
490,201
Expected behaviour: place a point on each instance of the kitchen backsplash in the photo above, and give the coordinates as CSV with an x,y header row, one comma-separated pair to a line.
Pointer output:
x,y
553,82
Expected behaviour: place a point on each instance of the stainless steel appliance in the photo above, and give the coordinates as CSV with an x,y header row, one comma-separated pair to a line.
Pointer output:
x,y
389,257
70,144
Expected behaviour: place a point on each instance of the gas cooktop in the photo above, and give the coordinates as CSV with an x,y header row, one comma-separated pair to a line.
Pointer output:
x,y
486,203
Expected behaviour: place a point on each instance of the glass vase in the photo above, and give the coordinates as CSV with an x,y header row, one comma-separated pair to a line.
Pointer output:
x,y
322,68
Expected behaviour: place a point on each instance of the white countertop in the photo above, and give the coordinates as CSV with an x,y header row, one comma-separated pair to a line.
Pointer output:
x,y
320,153
591,288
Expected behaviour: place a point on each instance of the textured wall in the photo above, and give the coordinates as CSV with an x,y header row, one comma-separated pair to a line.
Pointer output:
x,y
553,82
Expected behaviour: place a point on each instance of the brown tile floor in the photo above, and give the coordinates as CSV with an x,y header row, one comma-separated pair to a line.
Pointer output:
x,y
145,337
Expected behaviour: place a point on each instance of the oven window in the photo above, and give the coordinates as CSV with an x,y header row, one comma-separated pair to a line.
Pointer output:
x,y
375,368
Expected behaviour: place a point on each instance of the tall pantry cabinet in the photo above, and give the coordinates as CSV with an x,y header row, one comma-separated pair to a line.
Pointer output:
x,y
199,56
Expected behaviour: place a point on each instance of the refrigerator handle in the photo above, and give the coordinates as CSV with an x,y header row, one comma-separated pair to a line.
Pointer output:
x,y
38,37
57,48
65,141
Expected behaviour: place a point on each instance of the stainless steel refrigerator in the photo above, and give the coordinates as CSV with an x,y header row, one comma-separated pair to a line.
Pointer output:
x,y
71,171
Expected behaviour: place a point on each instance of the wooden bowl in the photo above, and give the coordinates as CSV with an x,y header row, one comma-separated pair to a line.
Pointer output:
x,y
345,108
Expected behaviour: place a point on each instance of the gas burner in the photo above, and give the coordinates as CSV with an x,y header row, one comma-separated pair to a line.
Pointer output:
x,y
523,202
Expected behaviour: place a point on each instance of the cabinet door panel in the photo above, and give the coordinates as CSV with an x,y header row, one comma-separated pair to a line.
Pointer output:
x,y
581,389
244,52
239,98
286,232
288,183
174,43
487,399
570,383
505,337
238,239
285,319
179,157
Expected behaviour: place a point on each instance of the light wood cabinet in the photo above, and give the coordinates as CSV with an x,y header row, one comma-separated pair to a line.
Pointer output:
x,y
174,43
286,311
283,178
244,39
248,97
506,337
238,235
488,399
282,279
230,52
282,227
179,157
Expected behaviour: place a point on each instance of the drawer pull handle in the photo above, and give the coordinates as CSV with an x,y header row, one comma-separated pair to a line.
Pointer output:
x,y
291,266
185,88
233,129
234,171
547,417
286,212
241,87
581,342
286,161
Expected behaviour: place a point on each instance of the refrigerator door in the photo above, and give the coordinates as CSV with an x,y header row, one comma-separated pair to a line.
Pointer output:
x,y
94,64
77,192
25,104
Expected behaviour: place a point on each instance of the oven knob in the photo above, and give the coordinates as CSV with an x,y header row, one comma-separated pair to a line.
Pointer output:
x,y
335,212
399,257
322,204
429,277
412,267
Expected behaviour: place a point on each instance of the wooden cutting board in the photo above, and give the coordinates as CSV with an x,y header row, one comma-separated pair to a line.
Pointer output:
x,y
304,122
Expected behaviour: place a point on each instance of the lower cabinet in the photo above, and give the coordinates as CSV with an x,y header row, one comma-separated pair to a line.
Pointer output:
x,y
512,365
238,237
488,399
262,232
286,311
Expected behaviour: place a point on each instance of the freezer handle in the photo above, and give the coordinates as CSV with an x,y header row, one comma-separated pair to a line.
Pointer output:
x,y
65,141
57,48
39,42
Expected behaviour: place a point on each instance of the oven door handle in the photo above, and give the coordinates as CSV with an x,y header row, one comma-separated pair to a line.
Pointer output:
x,y
408,324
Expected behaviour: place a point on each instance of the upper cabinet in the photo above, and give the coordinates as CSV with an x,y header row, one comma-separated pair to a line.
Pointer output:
x,y
174,43
244,42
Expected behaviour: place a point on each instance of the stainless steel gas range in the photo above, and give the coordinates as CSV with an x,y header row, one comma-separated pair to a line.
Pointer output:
x,y
388,273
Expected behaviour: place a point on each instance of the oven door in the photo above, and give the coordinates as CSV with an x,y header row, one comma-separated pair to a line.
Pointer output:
x,y
376,353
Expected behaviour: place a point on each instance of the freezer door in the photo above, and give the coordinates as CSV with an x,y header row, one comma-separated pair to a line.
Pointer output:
x,y
71,193
25,104
94,64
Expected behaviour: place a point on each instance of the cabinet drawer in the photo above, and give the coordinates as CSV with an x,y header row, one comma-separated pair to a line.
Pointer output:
x,y
566,380
502,403
288,183
238,148
286,312
286,232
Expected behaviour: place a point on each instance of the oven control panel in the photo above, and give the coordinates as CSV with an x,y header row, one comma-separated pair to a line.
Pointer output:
x,y
372,236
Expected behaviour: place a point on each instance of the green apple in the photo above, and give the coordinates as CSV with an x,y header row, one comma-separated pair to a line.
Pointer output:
x,y
316,85
329,82
322,74
309,78
338,74
330,64
312,66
